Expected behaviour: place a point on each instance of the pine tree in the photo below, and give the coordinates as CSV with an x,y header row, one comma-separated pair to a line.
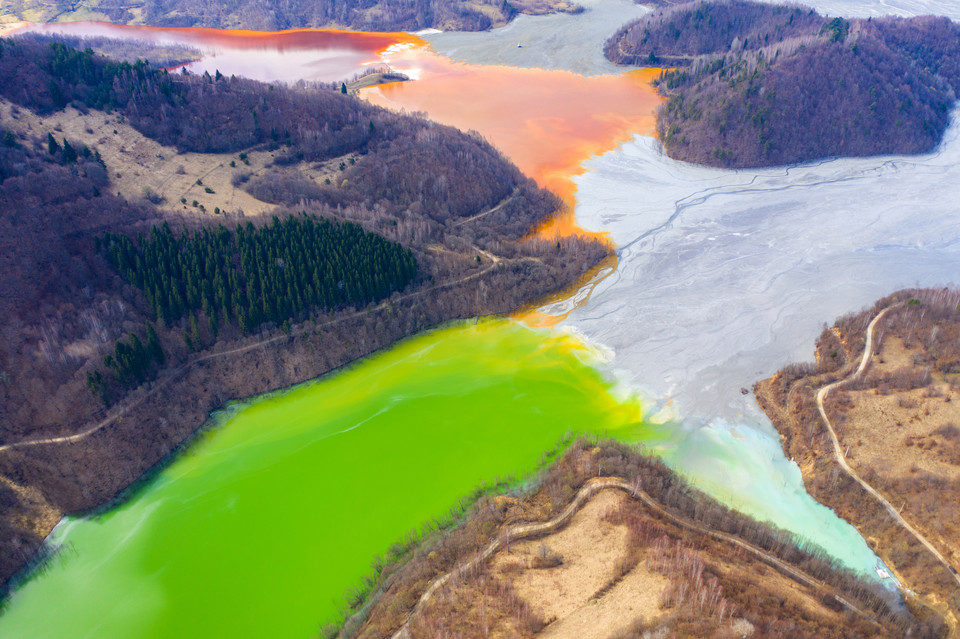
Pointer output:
x,y
274,273
69,153
153,345
195,332
53,148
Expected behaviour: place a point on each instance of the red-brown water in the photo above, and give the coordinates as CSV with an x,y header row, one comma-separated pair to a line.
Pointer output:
x,y
547,122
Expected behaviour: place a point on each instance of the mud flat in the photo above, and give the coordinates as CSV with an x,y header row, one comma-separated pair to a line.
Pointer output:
x,y
557,41
726,276
870,9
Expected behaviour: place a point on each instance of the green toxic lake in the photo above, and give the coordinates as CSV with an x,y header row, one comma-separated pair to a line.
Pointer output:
x,y
278,508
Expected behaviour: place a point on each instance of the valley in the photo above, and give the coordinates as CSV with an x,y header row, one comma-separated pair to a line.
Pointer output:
x,y
75,322
668,289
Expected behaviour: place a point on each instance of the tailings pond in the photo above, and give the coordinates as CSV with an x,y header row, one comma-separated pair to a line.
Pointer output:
x,y
279,508
722,277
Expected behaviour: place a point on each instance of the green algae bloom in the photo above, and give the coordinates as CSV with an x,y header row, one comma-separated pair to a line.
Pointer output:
x,y
279,508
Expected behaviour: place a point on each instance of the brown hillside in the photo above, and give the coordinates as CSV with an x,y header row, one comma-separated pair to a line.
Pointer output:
x,y
272,15
896,429
760,84
632,553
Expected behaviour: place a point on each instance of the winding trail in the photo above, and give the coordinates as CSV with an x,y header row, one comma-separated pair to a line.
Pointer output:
x,y
305,327
838,449
493,209
589,489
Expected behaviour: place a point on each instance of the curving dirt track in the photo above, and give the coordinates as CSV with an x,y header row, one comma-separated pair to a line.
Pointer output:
x,y
838,452
591,488
177,372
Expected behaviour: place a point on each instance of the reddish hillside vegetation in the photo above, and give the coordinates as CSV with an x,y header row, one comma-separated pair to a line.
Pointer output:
x,y
762,85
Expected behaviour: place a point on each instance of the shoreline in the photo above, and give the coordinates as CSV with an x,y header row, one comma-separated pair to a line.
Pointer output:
x,y
531,455
9,28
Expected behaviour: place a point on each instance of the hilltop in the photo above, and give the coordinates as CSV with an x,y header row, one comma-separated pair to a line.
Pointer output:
x,y
160,254
610,543
756,84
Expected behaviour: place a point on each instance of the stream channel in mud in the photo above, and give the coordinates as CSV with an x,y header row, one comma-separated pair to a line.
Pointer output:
x,y
720,280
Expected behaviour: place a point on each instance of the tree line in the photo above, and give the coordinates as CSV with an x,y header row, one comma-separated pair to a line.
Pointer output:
x,y
274,273
407,162
276,15
132,363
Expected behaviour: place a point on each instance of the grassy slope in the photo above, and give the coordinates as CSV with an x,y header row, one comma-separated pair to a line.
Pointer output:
x,y
628,547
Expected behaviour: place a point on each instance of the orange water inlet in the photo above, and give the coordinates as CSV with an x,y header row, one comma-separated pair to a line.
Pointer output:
x,y
547,122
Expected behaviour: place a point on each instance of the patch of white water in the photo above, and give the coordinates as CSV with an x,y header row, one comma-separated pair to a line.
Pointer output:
x,y
878,8
726,276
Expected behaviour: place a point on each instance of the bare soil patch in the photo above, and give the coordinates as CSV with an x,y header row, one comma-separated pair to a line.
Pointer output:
x,y
590,548
589,556
142,168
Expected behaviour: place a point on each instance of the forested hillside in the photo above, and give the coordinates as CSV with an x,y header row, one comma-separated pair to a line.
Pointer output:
x,y
273,15
441,170
677,35
761,85
276,273
896,423
135,321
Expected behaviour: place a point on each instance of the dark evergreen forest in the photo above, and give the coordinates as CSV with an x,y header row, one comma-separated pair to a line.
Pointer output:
x,y
275,273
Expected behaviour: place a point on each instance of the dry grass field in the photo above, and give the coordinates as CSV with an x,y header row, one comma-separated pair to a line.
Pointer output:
x,y
896,424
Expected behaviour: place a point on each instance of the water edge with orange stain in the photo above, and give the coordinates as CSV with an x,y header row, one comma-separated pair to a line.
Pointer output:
x,y
547,122
323,55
